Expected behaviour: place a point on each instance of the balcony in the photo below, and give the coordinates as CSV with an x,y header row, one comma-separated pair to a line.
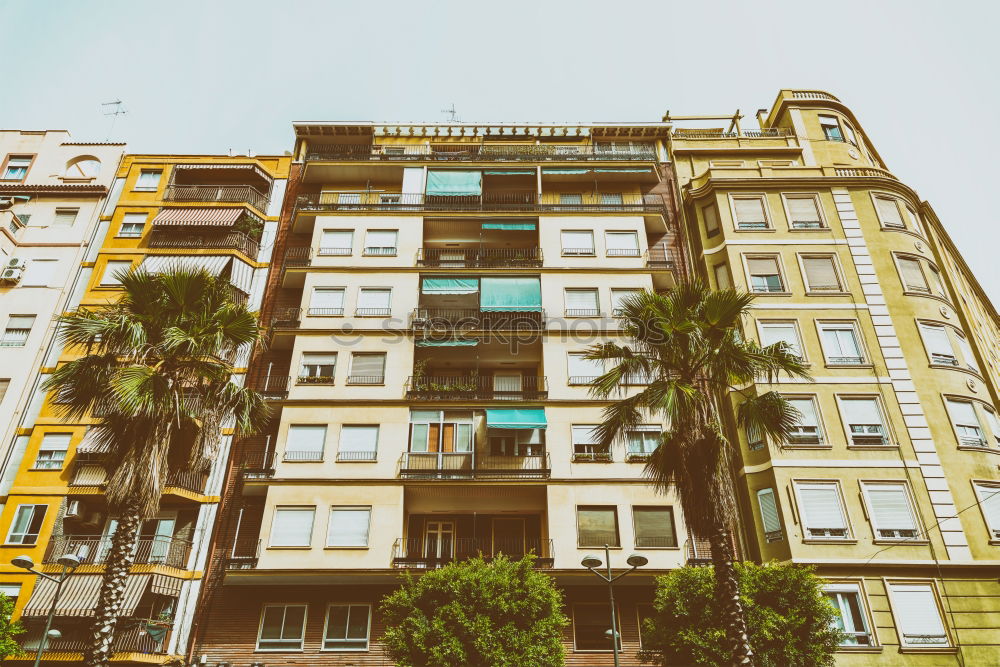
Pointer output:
x,y
417,553
271,387
94,550
500,202
229,194
244,555
474,318
682,134
475,387
478,153
257,464
185,240
134,635
493,258
471,465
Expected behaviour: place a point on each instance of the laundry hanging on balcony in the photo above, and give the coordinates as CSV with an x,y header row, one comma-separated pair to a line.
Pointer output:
x,y
511,294
450,286
454,342
510,226
515,418
454,183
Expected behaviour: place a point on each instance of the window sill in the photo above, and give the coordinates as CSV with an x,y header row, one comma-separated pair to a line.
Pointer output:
x,y
819,447
832,540
827,293
858,649
808,229
754,229
579,255
302,460
288,548
600,546
928,649
128,236
755,293
984,450
346,548
936,297
995,543
278,650
45,469
849,365
902,541
903,230
144,189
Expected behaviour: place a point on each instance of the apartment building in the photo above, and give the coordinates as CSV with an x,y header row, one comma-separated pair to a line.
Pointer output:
x,y
213,212
888,487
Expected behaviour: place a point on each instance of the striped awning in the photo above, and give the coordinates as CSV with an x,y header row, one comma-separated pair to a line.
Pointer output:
x,y
198,217
80,593
164,585
251,167
214,264
91,444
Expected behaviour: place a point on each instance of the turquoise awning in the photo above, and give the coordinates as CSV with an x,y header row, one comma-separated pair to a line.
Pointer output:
x,y
509,172
510,226
511,294
450,286
457,342
557,171
454,183
515,418
623,170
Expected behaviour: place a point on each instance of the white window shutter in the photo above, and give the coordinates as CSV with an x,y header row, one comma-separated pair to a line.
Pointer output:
x,y
358,438
768,510
890,507
916,612
581,299
821,506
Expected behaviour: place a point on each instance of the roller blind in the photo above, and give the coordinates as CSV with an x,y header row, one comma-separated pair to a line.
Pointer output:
x,y
936,339
358,438
768,510
20,321
763,266
861,411
581,299
581,367
821,506
989,496
111,271
327,298
511,294
454,183
585,435
807,407
749,210
913,276
962,412
780,333
292,526
374,298
622,240
916,612
383,238
820,273
578,240
367,364
803,210
967,356
888,212
319,358
620,295
348,527
306,439
890,507
337,239
711,219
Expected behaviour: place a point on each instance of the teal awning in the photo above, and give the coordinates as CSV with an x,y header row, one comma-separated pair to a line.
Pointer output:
x,y
456,342
509,172
450,286
510,226
558,171
624,170
511,294
454,183
515,418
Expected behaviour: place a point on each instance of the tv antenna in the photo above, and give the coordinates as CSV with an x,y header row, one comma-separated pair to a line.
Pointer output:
x,y
453,115
113,109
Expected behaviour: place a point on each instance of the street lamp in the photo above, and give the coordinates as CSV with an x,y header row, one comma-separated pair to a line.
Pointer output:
x,y
591,562
69,563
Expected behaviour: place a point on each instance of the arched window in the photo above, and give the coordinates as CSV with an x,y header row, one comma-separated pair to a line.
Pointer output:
x,y
84,166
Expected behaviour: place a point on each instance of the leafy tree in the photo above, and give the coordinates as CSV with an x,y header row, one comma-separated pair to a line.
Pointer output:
x,y
156,370
686,343
476,614
789,619
8,629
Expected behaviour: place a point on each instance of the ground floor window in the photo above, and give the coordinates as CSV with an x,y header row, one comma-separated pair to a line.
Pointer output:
x,y
592,627
347,627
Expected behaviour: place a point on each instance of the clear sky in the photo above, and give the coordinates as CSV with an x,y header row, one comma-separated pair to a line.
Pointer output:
x,y
209,75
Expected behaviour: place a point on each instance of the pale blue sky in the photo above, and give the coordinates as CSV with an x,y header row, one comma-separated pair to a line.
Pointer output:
x,y
211,75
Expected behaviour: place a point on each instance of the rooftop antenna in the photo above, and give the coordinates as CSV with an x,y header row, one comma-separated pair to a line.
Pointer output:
x,y
113,109
453,115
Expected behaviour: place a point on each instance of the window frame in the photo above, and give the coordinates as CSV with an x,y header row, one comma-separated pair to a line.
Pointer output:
x,y
41,524
274,520
352,379
348,508
824,224
321,455
68,435
869,507
764,323
583,312
14,342
63,211
310,309
781,272
716,228
563,248
326,625
912,290
618,620
992,529
865,359
822,441
614,514
836,123
616,312
875,196
762,198
770,535
17,156
107,273
320,248
977,410
136,187
285,606
838,273
883,414
848,535
621,252
125,221
373,452
669,509
304,378
587,456
857,587
587,379
389,251
932,585
922,325
385,311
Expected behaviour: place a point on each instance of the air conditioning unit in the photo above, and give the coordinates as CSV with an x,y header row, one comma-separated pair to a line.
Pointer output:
x,y
94,519
15,263
11,275
75,509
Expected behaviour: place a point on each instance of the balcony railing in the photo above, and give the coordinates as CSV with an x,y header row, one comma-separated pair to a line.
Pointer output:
x,y
257,464
189,480
230,194
148,636
474,387
478,153
94,550
185,240
470,465
473,318
765,133
271,387
509,202
243,555
286,318
497,258
414,552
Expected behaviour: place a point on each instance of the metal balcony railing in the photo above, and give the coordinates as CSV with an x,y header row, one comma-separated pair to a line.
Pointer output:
x,y
497,258
133,635
271,387
475,387
257,464
244,555
186,240
473,318
510,202
415,552
188,480
234,194
480,153
94,550
765,133
298,256
286,318
471,465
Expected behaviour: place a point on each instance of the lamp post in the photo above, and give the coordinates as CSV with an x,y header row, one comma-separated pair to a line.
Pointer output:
x,y
592,562
69,563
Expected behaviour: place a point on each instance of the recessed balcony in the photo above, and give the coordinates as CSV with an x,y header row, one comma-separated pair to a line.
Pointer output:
x,y
473,465
228,194
498,202
428,553
478,152
188,240
95,550
469,386
478,257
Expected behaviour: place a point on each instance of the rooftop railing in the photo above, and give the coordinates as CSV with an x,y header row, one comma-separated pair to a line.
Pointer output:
x,y
504,202
765,133
230,194
474,152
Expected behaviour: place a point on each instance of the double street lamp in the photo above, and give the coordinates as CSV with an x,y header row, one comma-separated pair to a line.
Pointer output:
x,y
69,563
592,562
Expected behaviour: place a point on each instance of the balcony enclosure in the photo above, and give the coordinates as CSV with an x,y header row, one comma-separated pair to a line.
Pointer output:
x,y
476,151
476,368
469,303
489,243
223,183
87,532
232,228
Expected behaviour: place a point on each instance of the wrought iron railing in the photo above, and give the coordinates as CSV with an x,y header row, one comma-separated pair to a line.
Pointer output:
x,y
236,194
480,152
161,238
765,133
271,387
244,554
257,464
473,318
415,552
480,257
134,635
511,202
476,387
472,465
94,550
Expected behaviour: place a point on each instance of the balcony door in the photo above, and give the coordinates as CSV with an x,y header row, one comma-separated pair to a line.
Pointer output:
x,y
155,537
507,385
508,537
439,540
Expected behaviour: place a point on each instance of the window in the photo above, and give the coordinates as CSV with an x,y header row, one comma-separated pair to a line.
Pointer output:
x,y
989,502
890,510
358,442
582,370
381,242
572,198
991,418
52,451
580,242
17,331
374,302
111,270
132,225
318,368
781,332
27,524
938,344
967,356
305,443
327,301
367,368
282,627
821,274
292,526
769,516
582,303
642,441
348,527
851,136
913,218
750,212
336,242
65,217
16,167
968,428
711,217
913,276
13,591
437,431
937,287
850,619
4,385
888,212
618,296
347,627
591,626
840,344
821,510
654,527
622,244
148,180
39,272
586,444
611,199
597,526
765,276
804,212
863,421
83,167
722,278
918,618
807,431
831,128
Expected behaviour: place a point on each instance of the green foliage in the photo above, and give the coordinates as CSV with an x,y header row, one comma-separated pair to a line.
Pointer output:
x,y
476,614
8,629
788,618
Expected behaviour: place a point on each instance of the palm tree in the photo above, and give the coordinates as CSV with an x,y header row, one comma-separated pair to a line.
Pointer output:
x,y
687,344
156,374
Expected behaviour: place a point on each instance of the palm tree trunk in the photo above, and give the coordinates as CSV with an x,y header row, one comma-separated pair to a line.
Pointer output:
x,y
727,589
119,560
